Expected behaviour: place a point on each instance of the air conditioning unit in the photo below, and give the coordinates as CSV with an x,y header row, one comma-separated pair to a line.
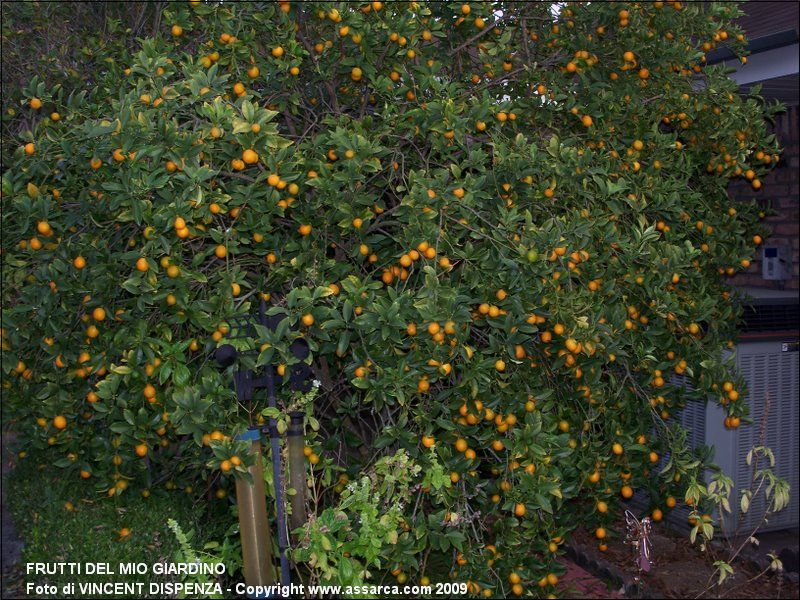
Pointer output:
x,y
767,357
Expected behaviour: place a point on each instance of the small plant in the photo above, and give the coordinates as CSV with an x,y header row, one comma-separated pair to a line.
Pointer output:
x,y
343,542
298,402
717,493
229,553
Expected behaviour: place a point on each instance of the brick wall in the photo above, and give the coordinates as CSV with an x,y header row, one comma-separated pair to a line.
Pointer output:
x,y
780,192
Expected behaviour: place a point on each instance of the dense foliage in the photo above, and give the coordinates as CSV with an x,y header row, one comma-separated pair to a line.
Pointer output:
x,y
502,228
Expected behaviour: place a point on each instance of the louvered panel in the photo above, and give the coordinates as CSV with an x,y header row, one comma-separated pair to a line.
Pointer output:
x,y
768,371
773,373
693,416
693,419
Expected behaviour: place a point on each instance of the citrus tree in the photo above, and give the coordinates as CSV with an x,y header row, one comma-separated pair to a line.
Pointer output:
x,y
501,227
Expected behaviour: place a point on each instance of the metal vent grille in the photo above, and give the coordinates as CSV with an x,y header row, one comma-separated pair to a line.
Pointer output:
x,y
770,372
764,317
693,416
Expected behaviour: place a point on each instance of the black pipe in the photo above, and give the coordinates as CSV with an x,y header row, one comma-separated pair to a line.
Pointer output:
x,y
297,469
277,477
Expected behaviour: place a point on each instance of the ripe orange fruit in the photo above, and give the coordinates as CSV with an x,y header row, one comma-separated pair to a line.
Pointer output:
x,y
500,365
141,450
277,51
60,422
30,148
250,157
177,30
142,264
602,507
308,320
600,533
626,491
428,441
221,251
99,314
519,509
225,466
657,514
79,262
35,103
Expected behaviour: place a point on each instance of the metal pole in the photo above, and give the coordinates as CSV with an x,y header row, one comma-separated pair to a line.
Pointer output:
x,y
297,469
253,525
277,477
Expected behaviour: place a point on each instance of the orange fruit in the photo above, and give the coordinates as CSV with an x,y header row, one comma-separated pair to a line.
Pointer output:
x,y
60,422
141,450
657,514
250,157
